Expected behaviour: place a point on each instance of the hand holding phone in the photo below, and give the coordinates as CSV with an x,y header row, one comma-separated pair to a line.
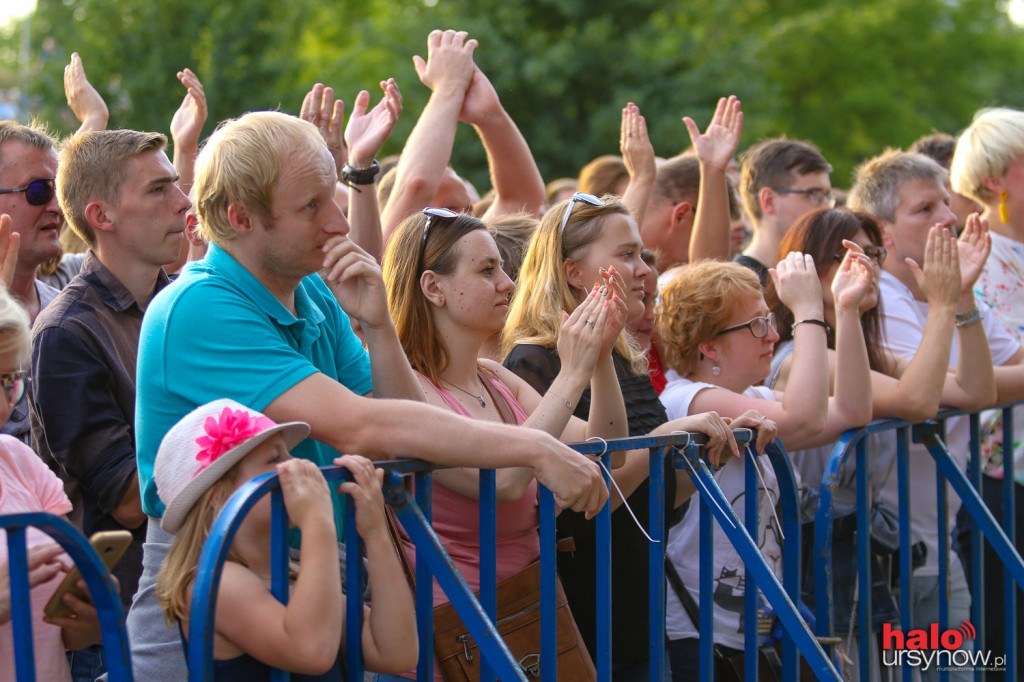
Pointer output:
x,y
109,545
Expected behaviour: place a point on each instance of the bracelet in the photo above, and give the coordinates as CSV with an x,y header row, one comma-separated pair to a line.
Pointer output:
x,y
565,402
360,176
971,317
821,323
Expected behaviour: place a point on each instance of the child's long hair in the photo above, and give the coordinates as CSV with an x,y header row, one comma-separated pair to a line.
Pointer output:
x,y
174,583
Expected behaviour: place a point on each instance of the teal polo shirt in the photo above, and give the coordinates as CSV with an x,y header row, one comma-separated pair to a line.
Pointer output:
x,y
217,332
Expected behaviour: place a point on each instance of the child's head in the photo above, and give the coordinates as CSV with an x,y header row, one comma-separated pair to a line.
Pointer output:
x,y
205,446
15,346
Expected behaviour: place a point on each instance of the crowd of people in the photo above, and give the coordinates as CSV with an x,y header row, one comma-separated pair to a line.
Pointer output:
x,y
278,298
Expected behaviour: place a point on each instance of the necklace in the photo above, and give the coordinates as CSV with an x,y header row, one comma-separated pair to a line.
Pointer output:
x,y
479,398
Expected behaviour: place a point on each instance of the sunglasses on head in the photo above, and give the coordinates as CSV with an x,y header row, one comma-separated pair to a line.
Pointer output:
x,y
578,197
432,214
37,192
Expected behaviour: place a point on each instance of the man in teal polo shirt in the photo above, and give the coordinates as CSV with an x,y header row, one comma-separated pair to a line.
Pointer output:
x,y
252,322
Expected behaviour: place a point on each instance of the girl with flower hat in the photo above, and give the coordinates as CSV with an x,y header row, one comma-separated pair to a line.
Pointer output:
x,y
202,460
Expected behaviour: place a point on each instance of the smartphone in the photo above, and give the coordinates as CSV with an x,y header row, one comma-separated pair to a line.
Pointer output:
x,y
109,545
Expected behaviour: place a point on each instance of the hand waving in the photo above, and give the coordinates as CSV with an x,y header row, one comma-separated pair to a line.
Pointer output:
x,y
321,109
718,144
367,132
86,104
187,123
635,144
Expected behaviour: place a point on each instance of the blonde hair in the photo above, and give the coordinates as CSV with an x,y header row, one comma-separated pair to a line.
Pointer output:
x,y
15,328
603,175
242,161
695,303
993,141
542,292
407,305
174,582
93,166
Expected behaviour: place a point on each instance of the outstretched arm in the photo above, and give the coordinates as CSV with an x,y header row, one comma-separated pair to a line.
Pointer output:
x,y
186,127
447,72
715,148
87,105
518,186
638,155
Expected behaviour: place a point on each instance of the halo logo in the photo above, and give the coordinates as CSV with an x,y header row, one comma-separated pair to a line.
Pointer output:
x,y
925,648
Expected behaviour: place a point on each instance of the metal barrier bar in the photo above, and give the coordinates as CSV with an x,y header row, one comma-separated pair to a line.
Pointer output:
x,y
101,586
1010,528
977,541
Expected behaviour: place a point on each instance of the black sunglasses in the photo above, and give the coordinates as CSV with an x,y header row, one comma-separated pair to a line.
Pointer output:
x,y
37,192
758,326
578,197
432,213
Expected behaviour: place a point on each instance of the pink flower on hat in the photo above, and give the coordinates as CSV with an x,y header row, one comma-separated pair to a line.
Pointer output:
x,y
229,429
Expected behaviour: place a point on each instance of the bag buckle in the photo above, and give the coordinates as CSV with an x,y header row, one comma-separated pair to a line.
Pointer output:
x,y
465,639
530,663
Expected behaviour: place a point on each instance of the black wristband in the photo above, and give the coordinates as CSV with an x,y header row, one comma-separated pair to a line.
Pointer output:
x,y
821,323
360,176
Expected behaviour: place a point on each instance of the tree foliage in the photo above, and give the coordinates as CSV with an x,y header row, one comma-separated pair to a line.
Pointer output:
x,y
854,77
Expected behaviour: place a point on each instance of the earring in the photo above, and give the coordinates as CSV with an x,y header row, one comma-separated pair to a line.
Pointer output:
x,y
1004,214
715,370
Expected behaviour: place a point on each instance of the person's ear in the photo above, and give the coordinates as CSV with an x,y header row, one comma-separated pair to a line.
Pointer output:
x,y
239,217
888,234
709,349
430,285
682,213
97,216
573,273
766,198
992,184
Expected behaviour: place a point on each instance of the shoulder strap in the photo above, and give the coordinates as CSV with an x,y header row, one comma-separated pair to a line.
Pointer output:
x,y
675,581
504,409
396,538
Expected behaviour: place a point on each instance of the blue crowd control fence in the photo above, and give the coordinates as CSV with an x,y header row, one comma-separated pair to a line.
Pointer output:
x,y
413,510
101,586
854,446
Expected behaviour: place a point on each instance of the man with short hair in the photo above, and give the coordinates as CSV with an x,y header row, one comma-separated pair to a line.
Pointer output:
x,y
907,194
28,168
254,322
668,220
118,192
940,148
780,181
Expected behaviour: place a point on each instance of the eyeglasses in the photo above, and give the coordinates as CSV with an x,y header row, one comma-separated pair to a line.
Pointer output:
x,y
14,385
37,192
815,195
578,197
875,253
758,326
431,213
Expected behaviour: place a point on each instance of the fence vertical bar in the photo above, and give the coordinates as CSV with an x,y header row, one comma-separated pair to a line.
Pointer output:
x,y
488,556
353,593
752,621
1010,528
548,569
424,581
863,561
603,575
21,604
279,561
977,543
656,565
903,482
706,627
942,512
792,562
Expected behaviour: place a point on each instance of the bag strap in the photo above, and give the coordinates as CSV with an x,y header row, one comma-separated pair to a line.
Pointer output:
x,y
675,581
504,409
396,539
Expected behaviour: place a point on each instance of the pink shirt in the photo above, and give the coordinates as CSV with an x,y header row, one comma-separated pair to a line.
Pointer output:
x,y
27,485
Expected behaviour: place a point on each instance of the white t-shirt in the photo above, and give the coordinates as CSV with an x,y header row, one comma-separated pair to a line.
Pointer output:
x,y
904,319
683,539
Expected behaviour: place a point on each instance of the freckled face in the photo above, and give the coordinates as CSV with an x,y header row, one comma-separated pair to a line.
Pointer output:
x,y
476,294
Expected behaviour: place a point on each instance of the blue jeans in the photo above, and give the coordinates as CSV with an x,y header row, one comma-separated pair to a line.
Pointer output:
x,y
87,664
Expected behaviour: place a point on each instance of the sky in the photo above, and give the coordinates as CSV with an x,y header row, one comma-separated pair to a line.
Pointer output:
x,y
11,9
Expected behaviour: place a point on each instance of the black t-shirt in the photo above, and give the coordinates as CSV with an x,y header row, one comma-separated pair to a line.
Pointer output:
x,y
539,366
757,266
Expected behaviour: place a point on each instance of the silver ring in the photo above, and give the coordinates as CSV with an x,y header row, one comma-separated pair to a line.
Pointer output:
x,y
591,323
763,417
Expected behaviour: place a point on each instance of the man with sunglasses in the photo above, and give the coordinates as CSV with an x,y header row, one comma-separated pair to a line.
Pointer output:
x,y
28,166
780,181
254,322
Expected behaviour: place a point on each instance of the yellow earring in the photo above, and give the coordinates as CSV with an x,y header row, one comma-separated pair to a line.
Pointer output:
x,y
1004,213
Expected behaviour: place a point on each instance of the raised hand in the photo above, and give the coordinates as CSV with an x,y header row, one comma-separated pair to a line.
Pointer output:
x,y
307,497
974,245
637,151
188,121
854,279
355,278
367,132
10,244
718,144
86,104
365,489
449,65
321,109
798,286
580,338
939,278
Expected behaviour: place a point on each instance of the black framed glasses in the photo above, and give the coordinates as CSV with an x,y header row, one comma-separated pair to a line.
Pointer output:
x,y
432,214
816,195
14,384
875,253
578,197
37,192
758,326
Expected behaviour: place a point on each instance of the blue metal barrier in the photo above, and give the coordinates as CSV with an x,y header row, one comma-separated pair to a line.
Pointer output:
x,y
101,586
433,562
949,475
